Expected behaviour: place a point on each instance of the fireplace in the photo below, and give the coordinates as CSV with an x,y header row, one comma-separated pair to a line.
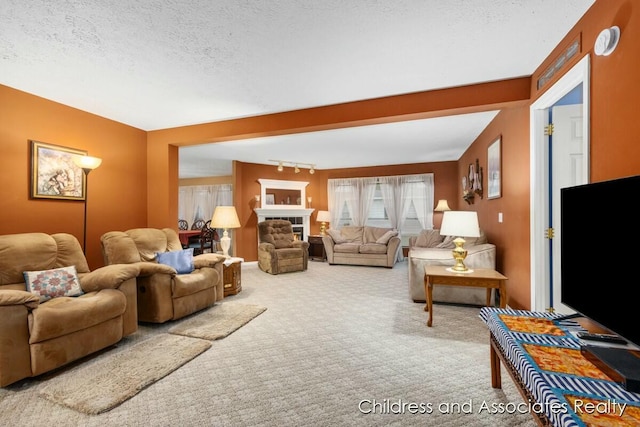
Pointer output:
x,y
300,219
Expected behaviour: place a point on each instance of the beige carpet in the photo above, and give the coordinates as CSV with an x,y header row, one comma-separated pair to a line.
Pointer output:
x,y
218,321
98,387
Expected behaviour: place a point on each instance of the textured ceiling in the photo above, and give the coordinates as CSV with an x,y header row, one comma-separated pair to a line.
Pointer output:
x,y
158,64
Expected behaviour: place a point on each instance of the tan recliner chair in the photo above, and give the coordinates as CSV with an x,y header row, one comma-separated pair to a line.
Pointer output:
x,y
163,294
278,251
35,336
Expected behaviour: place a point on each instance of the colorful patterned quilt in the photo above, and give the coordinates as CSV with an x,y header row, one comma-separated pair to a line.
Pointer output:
x,y
567,387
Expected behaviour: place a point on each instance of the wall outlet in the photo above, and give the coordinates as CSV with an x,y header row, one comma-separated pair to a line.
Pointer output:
x,y
499,216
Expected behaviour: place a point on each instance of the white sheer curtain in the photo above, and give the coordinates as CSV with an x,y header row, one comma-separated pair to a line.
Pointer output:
x,y
341,193
199,201
399,194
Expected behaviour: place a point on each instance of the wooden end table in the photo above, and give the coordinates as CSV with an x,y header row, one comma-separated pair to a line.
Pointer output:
x,y
232,275
316,248
478,278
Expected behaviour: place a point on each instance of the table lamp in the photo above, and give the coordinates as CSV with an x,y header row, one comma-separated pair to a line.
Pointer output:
x,y
460,224
323,217
225,217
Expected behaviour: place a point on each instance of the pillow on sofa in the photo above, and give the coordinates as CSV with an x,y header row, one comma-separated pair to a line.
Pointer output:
x,y
58,282
472,241
447,243
336,236
429,239
181,261
384,239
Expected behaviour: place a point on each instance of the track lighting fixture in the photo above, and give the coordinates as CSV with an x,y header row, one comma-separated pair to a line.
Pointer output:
x,y
294,165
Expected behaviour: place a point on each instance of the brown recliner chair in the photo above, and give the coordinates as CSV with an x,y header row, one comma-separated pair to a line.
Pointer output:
x,y
39,334
163,293
278,250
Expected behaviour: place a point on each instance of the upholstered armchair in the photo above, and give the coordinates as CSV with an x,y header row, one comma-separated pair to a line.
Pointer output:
x,y
278,250
172,282
53,310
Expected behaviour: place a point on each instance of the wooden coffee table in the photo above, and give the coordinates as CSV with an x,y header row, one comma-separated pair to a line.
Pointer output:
x,y
478,278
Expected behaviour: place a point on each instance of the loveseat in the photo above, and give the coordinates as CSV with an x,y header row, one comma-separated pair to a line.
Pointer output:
x,y
362,245
430,248
53,310
172,282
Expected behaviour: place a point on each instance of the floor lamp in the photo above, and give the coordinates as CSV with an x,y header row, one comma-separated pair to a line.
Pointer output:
x,y
87,164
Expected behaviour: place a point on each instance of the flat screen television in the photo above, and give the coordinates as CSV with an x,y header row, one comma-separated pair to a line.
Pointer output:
x,y
600,254
600,259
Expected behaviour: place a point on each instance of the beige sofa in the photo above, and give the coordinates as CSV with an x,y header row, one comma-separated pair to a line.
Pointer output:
x,y
430,248
362,245
163,293
63,312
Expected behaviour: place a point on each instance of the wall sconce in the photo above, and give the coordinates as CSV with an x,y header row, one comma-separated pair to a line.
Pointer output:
x,y
309,198
294,165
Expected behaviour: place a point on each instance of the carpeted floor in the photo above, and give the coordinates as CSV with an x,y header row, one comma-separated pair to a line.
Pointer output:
x,y
337,345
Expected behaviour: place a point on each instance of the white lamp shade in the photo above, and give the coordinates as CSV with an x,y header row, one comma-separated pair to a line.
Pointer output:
x,y
225,217
87,162
460,224
323,216
442,206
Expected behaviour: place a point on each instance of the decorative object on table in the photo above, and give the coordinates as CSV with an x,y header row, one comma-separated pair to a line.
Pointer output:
x,y
323,217
225,217
87,164
460,224
494,167
54,174
218,321
442,206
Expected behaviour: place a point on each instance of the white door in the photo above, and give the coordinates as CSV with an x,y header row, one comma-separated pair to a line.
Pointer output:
x,y
567,170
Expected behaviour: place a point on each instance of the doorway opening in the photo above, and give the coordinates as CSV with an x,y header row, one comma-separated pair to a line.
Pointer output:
x,y
541,186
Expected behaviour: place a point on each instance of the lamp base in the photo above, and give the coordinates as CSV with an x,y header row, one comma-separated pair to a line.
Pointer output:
x,y
225,243
459,254
323,228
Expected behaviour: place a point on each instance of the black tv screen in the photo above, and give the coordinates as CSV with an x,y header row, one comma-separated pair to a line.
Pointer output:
x,y
600,253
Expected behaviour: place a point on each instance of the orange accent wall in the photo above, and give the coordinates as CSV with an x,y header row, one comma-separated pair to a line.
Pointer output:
x,y
116,192
137,184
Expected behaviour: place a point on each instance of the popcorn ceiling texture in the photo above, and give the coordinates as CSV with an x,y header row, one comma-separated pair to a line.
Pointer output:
x,y
157,64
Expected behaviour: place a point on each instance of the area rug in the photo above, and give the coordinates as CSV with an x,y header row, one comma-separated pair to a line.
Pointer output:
x,y
97,387
218,321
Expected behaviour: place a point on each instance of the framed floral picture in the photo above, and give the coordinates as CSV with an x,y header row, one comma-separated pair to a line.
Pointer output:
x,y
494,169
54,175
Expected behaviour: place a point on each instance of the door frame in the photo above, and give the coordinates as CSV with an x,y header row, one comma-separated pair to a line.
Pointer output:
x,y
539,173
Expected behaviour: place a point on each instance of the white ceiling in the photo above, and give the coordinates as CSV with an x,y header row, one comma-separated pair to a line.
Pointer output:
x,y
157,64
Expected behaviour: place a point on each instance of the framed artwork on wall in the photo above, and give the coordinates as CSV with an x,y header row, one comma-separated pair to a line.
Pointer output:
x,y
54,175
494,169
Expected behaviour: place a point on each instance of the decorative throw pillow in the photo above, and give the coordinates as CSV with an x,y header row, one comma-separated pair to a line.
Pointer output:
x,y
447,243
429,239
181,261
59,282
336,235
384,239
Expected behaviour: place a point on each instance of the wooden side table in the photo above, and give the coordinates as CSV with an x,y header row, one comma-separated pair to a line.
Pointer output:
x,y
232,276
316,248
480,277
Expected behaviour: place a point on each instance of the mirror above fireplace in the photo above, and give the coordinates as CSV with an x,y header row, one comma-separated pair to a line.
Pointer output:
x,y
279,194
